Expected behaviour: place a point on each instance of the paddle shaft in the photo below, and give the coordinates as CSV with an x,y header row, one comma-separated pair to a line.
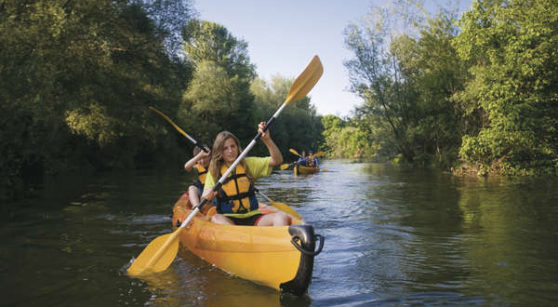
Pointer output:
x,y
265,196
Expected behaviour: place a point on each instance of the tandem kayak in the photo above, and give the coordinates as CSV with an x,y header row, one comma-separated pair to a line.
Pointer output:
x,y
280,257
303,170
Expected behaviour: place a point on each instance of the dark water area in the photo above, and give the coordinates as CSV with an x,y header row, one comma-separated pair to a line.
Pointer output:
x,y
394,236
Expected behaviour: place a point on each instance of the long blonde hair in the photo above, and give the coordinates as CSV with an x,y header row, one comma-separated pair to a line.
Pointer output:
x,y
217,155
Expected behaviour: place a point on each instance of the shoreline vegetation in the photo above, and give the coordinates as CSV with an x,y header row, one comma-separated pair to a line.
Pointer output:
x,y
474,94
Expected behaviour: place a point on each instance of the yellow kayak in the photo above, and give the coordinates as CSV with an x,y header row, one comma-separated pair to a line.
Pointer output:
x,y
280,257
303,170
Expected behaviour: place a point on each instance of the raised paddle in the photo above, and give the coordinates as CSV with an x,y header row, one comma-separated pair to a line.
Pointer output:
x,y
318,154
284,166
160,253
294,152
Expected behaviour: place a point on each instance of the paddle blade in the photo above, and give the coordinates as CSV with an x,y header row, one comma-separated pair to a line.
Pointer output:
x,y
287,209
168,120
319,154
157,256
306,80
294,151
284,166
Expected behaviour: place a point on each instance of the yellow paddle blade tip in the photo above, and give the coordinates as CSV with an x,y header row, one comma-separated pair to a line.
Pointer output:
x,y
156,257
306,80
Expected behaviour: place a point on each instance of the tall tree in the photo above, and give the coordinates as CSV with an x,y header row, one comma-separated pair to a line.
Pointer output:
x,y
407,81
431,68
219,96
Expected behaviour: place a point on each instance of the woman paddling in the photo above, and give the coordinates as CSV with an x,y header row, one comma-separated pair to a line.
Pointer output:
x,y
236,200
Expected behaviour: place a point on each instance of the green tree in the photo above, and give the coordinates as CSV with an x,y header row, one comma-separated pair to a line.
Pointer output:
x,y
170,17
407,83
348,139
431,68
209,41
219,96
298,127
511,46
75,80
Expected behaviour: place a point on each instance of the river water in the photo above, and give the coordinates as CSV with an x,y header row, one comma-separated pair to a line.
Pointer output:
x,y
394,236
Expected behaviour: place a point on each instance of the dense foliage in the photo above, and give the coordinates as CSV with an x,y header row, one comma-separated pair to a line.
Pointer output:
x,y
512,48
76,78
407,83
483,94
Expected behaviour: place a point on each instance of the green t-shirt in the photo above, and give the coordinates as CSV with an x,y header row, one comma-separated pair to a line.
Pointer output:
x,y
258,166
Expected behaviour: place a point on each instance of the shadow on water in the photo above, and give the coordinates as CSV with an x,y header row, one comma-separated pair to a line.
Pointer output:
x,y
394,236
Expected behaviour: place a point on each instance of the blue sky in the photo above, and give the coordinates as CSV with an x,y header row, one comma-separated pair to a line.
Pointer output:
x,y
283,35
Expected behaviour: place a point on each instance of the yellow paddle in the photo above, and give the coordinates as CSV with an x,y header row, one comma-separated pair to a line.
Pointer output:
x,y
160,253
281,206
294,152
163,115
284,166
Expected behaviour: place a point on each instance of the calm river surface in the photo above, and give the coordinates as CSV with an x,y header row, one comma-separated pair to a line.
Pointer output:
x,y
393,237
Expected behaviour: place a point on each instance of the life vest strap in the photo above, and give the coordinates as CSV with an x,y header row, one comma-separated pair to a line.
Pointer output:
x,y
226,198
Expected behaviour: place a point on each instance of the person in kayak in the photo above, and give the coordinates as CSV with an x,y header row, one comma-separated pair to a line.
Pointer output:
x,y
302,159
236,201
200,162
312,160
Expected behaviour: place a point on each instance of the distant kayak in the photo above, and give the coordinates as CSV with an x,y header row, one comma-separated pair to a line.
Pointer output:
x,y
303,170
280,257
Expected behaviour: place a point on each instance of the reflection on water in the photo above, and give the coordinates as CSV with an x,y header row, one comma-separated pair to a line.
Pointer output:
x,y
394,236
